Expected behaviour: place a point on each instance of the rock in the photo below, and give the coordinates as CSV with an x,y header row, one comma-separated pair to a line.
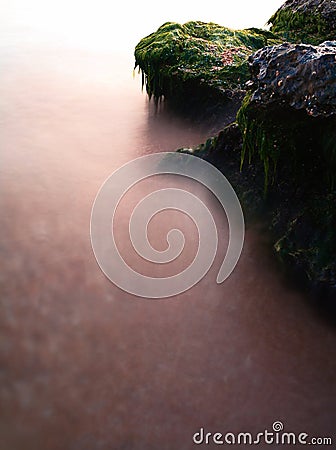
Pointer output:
x,y
292,108
308,21
288,122
284,141
299,76
197,61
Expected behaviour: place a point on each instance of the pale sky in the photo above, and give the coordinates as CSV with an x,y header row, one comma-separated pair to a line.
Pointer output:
x,y
109,25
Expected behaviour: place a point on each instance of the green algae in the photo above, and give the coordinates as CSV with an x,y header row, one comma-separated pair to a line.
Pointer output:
x,y
177,58
262,137
308,144
300,27
298,155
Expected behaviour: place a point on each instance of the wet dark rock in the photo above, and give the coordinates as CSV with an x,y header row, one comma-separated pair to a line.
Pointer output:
x,y
281,159
288,122
290,112
300,76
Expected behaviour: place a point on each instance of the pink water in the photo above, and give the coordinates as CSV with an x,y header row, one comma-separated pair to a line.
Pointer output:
x,y
86,366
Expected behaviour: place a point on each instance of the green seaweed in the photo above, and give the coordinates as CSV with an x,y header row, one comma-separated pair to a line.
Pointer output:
x,y
200,54
301,27
307,143
261,136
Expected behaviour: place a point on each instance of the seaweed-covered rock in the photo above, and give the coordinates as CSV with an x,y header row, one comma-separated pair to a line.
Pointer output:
x,y
288,122
197,61
292,106
308,21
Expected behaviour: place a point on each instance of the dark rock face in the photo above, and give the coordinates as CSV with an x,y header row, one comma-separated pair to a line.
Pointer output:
x,y
309,21
285,146
293,93
288,122
300,76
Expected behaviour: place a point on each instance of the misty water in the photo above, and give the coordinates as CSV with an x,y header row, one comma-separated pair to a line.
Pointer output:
x,y
87,366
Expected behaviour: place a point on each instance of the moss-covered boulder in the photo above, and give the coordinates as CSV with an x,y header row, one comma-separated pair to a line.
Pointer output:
x,y
306,21
197,61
